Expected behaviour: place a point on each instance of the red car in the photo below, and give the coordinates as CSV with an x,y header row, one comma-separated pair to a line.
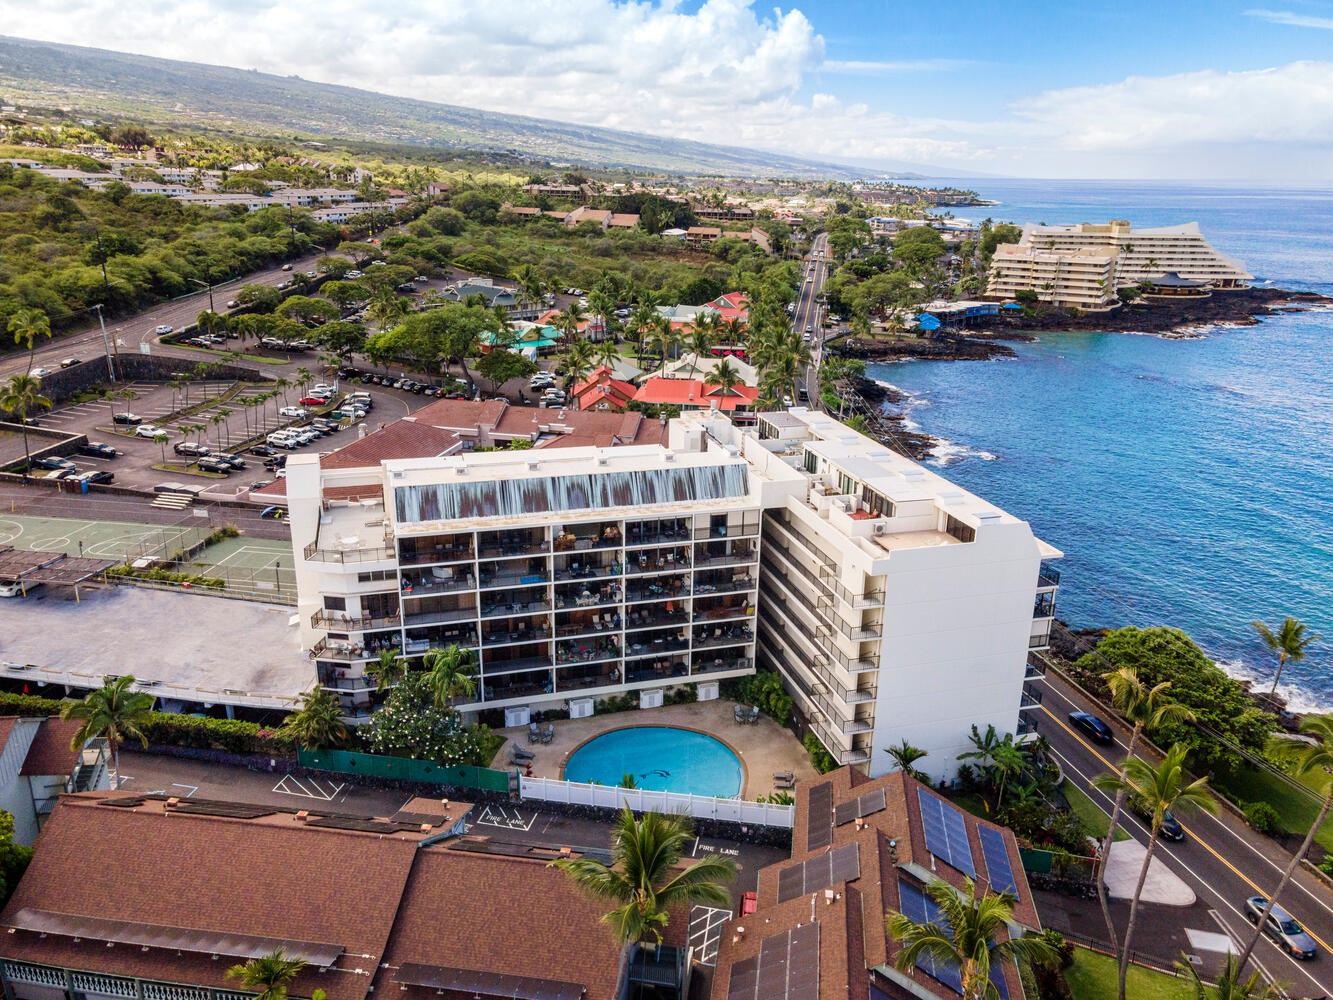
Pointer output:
x,y
313,401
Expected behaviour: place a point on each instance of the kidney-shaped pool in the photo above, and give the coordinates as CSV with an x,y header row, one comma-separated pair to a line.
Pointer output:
x,y
660,759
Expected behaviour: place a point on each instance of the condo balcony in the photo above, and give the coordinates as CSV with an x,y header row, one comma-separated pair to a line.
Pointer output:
x,y
513,542
340,622
654,532
418,551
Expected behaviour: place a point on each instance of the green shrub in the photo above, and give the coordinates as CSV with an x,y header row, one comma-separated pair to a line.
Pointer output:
x,y
231,735
28,704
1264,818
820,758
1326,865
765,690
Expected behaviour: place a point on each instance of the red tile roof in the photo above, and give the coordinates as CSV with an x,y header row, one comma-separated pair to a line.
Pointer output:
x,y
694,394
603,387
50,752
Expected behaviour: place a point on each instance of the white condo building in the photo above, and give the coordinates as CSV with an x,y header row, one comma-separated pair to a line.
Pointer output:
x,y
572,573
1144,253
1074,279
895,605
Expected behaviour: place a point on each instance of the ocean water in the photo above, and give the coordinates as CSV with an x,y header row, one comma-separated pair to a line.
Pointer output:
x,y
1188,482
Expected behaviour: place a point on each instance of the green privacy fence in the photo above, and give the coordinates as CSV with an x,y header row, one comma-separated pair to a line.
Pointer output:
x,y
1036,860
404,769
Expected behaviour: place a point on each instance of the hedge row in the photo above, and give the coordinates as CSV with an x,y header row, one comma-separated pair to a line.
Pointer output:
x,y
169,729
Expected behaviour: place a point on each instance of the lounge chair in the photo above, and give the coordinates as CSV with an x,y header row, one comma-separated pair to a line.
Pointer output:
x,y
522,754
784,779
534,734
753,717
548,733
524,762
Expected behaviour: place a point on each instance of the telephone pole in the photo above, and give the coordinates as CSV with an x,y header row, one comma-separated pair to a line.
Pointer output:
x,y
106,343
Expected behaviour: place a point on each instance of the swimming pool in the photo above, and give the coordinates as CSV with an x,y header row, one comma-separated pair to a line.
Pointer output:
x,y
662,759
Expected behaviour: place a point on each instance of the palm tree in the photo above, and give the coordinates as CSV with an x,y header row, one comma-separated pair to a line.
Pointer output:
x,y
304,378
1145,708
282,385
113,711
130,395
1289,642
1161,789
723,375
666,337
642,878
161,438
1317,756
607,352
568,322
387,670
1229,985
449,674
904,756
269,974
21,397
27,325
966,940
1009,761
578,361
319,722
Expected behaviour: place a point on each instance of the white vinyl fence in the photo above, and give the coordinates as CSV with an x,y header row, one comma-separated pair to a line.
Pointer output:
x,y
641,800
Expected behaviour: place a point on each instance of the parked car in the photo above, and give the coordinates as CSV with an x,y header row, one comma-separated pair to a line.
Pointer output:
x,y
214,465
40,372
1092,727
132,419
276,462
16,588
95,476
53,462
1282,928
164,329
292,411
324,425
149,430
63,474
69,362
98,450
286,267
313,401
230,458
232,303
190,448
262,450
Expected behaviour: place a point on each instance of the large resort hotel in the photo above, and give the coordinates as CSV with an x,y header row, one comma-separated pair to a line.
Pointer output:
x,y
894,604
1082,266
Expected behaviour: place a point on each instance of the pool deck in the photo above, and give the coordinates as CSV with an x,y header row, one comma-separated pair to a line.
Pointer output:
x,y
764,748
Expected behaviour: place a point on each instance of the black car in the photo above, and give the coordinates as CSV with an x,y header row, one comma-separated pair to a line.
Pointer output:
x,y
127,418
214,465
1171,828
1092,727
96,476
53,462
276,462
98,450
191,448
262,450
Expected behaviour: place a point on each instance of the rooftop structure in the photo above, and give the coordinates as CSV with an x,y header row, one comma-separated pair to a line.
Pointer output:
x,y
1075,278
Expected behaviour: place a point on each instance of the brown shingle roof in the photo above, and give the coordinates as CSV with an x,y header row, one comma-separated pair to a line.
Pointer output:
x,y
272,877
515,916
406,438
50,752
6,727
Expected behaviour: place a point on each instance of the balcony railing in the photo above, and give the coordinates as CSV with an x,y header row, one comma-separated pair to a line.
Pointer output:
x,y
352,623
362,553
1027,725
1048,576
325,649
1036,667
441,616
493,581
1044,606
1039,641
1031,698
720,664
439,555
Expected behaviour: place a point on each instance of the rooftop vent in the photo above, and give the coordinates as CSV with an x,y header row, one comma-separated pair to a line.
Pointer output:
x,y
303,816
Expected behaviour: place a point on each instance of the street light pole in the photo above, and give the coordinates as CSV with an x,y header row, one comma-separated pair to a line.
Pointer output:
x,y
209,286
106,343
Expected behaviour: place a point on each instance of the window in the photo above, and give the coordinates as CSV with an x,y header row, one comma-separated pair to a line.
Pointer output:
x,y
959,530
877,502
847,485
811,462
335,603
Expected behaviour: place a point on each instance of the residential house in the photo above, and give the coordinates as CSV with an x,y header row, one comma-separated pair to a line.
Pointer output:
x,y
601,390
37,766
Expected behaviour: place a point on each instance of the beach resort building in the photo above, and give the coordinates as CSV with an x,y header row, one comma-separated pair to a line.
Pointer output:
x,y
1142,254
894,604
572,573
1081,278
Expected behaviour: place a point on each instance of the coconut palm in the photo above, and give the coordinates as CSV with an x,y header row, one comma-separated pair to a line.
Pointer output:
x,y
112,711
162,438
318,723
723,375
666,337
21,397
1161,789
387,670
1229,984
449,674
607,353
1289,642
966,940
904,756
27,325
304,378
1310,759
270,975
282,385
1144,707
578,361
568,322
642,877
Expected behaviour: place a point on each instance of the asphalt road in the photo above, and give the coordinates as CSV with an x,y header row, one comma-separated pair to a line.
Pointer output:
x,y
1221,859
809,314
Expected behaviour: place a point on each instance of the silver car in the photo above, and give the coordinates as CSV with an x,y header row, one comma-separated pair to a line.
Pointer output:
x,y
1282,928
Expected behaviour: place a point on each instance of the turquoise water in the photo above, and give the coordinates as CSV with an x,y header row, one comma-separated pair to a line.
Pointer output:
x,y
1189,482
661,759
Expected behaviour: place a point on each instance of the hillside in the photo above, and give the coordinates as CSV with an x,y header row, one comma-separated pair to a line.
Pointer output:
x,y
102,83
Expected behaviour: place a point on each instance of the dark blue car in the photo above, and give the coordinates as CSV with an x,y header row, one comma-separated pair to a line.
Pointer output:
x,y
1092,727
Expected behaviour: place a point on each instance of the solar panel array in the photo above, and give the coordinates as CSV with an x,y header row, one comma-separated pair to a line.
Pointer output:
x,y
920,908
819,818
842,864
946,833
786,968
871,802
998,868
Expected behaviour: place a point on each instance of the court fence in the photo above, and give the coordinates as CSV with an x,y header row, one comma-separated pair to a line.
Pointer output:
x,y
404,769
642,800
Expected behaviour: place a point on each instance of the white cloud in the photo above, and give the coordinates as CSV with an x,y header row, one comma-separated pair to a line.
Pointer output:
x,y
852,67
1292,19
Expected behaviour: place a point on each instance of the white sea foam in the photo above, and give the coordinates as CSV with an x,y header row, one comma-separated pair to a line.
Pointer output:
x,y
944,453
1299,699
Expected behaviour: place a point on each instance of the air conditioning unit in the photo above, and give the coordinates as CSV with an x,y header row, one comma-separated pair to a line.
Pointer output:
x,y
845,504
580,708
881,528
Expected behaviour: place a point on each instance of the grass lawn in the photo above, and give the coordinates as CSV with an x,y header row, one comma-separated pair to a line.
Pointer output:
x,y
1089,812
1296,809
1093,977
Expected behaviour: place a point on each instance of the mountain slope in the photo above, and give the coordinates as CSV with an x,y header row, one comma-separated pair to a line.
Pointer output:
x,y
164,90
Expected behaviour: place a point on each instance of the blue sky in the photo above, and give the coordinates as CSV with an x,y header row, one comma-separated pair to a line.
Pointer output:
x,y
1117,88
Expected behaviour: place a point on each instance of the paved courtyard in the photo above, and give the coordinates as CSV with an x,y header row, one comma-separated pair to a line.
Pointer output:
x,y
765,748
